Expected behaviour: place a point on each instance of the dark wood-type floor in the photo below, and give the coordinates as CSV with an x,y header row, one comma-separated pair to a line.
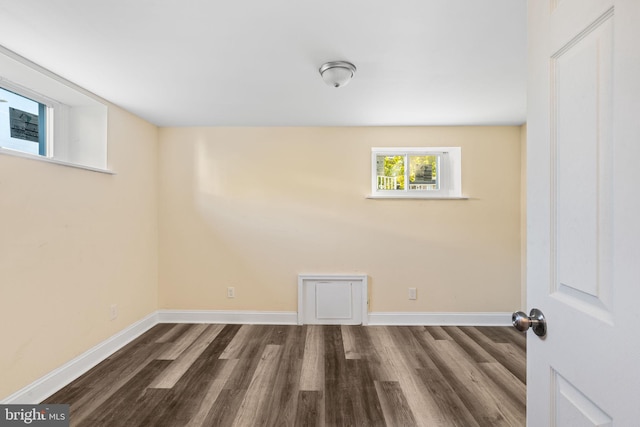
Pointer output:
x,y
257,375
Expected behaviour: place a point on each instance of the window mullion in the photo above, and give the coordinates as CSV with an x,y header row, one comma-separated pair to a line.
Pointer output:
x,y
406,173
42,129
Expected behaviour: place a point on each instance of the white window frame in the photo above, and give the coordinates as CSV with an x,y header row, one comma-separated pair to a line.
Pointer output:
x,y
76,122
54,116
449,173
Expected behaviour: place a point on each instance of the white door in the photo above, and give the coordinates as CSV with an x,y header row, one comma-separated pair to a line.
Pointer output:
x,y
583,210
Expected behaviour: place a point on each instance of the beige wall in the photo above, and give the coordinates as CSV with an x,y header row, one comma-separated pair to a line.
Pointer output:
x,y
72,243
243,207
253,207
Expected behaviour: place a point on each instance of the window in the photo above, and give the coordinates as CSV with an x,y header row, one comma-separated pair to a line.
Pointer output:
x,y
430,172
23,123
42,116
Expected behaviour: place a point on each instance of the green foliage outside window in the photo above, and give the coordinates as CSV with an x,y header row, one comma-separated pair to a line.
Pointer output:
x,y
394,166
418,165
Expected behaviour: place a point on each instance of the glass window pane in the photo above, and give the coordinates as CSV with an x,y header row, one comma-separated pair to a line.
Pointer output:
x,y
423,173
21,123
390,172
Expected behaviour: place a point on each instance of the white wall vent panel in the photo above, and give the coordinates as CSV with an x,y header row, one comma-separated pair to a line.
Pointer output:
x,y
332,299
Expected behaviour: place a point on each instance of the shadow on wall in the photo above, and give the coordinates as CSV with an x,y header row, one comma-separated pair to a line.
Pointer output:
x,y
253,208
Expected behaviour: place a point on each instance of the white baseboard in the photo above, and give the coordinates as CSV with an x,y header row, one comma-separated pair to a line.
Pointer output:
x,y
45,386
375,318
224,316
440,319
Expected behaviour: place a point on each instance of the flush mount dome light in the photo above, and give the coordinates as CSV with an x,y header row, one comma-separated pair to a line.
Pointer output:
x,y
337,73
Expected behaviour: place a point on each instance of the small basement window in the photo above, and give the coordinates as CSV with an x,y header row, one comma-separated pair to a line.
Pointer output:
x,y
23,123
45,117
429,172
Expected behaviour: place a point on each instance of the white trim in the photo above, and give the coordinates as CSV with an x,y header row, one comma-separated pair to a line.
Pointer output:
x,y
440,319
329,277
412,150
55,161
55,380
391,196
227,316
28,63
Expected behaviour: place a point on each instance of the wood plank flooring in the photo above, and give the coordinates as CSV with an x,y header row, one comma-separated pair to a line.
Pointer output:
x,y
258,375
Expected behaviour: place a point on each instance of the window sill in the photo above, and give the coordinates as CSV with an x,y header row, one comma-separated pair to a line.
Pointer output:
x,y
16,153
396,197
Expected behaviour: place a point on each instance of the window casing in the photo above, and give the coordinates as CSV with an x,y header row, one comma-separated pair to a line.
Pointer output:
x,y
71,123
416,172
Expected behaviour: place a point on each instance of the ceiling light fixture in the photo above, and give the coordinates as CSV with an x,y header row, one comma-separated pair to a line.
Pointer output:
x,y
337,73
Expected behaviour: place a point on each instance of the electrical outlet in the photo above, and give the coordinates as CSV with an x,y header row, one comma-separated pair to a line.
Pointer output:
x,y
413,293
113,312
231,292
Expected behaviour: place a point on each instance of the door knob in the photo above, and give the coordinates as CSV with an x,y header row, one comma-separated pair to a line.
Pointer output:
x,y
535,320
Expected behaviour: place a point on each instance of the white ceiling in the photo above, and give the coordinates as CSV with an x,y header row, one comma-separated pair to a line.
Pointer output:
x,y
255,62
